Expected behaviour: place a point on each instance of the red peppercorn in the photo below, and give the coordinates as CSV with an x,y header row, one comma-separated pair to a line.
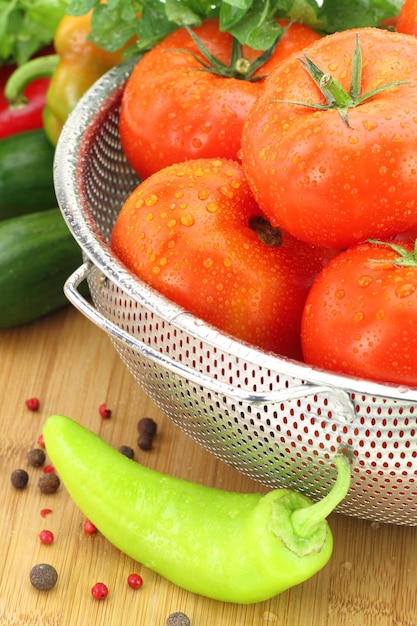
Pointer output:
x,y
89,527
99,591
41,441
48,469
104,411
135,581
46,537
32,404
45,512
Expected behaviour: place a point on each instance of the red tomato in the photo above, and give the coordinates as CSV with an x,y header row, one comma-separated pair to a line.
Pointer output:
x,y
327,181
190,231
407,18
173,111
360,316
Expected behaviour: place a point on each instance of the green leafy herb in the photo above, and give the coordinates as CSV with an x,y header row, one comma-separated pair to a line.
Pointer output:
x,y
252,22
26,26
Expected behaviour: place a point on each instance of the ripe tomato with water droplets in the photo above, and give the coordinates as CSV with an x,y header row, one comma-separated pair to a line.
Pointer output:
x,y
174,109
333,159
193,231
360,316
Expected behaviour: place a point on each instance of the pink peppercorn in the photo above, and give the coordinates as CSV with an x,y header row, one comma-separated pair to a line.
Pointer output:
x,y
49,469
135,581
99,591
45,512
46,537
89,527
41,442
104,411
32,404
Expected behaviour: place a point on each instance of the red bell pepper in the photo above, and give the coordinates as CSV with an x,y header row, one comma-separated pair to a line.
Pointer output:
x,y
27,115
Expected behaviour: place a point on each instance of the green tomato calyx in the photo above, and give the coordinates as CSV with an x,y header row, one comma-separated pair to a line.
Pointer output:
x,y
337,98
300,525
405,258
239,67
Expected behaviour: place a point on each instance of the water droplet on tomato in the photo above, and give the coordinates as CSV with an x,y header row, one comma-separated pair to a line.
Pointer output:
x,y
196,143
340,294
227,262
370,124
208,263
187,219
211,207
151,200
405,290
364,281
203,194
358,317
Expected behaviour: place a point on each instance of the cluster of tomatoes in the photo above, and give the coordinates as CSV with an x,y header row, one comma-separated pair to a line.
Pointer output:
x,y
278,199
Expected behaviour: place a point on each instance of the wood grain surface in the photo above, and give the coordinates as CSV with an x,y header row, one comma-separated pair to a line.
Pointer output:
x,y
71,366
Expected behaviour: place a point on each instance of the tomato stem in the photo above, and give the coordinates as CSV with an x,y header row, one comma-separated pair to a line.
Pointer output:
x,y
239,67
336,96
405,257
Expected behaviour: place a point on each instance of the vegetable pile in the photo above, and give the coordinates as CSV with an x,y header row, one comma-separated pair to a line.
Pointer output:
x,y
294,122
303,158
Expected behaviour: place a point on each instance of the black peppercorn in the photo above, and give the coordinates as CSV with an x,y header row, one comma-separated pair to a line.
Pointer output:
x,y
147,426
36,457
19,478
49,483
43,576
178,619
127,451
145,442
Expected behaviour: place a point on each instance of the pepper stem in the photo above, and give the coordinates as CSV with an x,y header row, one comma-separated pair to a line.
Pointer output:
x,y
306,520
40,67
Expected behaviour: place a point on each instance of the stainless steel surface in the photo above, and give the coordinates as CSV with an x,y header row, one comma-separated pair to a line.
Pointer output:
x,y
274,419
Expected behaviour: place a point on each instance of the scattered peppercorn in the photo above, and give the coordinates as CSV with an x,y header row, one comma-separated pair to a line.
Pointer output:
x,y
19,478
49,469
36,457
147,426
45,512
135,581
127,451
49,483
32,404
99,591
43,576
178,619
41,441
46,537
104,411
89,527
145,442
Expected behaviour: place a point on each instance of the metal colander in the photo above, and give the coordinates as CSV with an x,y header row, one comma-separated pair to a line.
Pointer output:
x,y
276,420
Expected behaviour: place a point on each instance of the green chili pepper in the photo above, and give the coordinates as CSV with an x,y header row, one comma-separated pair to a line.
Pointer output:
x,y
232,547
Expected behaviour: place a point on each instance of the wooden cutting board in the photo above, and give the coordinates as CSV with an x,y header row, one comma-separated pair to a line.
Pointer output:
x,y
71,366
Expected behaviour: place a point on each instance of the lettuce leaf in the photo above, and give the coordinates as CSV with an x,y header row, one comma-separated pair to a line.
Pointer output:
x,y
26,26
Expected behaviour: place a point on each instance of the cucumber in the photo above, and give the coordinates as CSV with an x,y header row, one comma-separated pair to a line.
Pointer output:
x,y
26,174
37,254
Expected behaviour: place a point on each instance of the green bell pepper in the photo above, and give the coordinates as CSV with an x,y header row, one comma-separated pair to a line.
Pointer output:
x,y
233,547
